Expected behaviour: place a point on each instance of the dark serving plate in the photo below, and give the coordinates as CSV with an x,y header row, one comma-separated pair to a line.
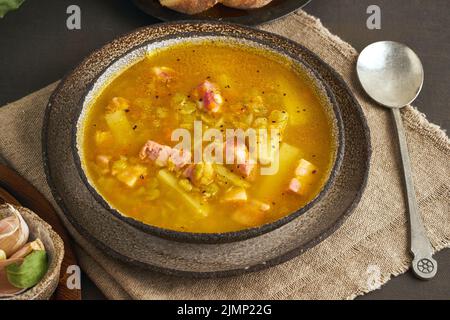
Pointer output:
x,y
274,10
129,243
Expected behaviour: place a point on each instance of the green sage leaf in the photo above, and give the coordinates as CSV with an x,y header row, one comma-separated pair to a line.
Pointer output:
x,y
9,5
30,272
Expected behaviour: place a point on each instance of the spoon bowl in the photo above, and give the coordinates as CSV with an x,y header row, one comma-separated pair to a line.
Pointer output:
x,y
390,73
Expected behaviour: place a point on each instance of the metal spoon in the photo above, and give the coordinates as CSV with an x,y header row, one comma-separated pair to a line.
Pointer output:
x,y
392,74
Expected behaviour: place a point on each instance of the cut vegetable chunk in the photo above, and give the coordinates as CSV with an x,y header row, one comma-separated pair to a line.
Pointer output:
x,y
202,173
248,217
235,195
131,175
102,162
104,139
278,120
116,104
267,146
271,184
120,126
231,177
305,168
197,206
306,174
259,205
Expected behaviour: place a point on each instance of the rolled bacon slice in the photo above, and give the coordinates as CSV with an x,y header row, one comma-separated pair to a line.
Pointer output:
x,y
294,185
305,174
208,97
244,165
162,154
164,74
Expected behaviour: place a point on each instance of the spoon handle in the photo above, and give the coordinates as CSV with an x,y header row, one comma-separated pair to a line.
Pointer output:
x,y
424,266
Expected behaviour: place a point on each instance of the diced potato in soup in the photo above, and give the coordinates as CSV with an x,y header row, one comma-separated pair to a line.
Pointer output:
x,y
130,159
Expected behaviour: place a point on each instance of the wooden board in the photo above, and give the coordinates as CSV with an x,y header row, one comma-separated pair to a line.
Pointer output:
x,y
16,190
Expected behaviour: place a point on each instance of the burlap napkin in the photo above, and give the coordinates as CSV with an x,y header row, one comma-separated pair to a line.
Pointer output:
x,y
364,253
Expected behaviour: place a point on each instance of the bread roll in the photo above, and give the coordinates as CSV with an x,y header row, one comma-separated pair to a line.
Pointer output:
x,y
245,4
189,6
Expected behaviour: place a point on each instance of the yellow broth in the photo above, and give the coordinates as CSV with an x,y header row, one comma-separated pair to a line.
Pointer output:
x,y
151,108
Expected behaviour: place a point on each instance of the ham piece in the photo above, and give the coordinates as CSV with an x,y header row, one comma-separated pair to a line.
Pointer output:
x,y
162,154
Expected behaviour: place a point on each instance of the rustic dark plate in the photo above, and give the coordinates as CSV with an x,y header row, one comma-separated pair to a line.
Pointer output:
x,y
123,241
274,10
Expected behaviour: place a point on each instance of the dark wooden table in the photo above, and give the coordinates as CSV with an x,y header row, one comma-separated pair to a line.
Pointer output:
x,y
37,49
